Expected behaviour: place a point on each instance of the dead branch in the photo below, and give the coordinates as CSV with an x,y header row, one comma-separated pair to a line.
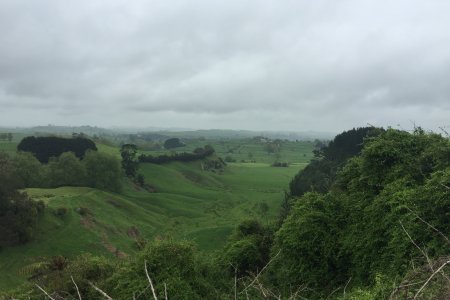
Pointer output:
x,y
76,286
447,187
429,225
150,281
165,291
50,297
260,272
417,246
345,287
301,288
235,280
431,277
100,291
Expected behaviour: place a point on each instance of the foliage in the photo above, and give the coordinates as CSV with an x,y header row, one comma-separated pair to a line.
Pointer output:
x,y
360,228
319,175
66,170
129,162
248,249
97,170
18,221
173,143
200,153
18,213
29,169
175,265
45,147
58,274
103,171
309,244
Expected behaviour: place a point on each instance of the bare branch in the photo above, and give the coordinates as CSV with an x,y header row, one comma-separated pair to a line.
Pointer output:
x,y
429,225
235,281
299,289
345,287
260,272
100,291
431,277
150,281
165,291
45,292
417,246
76,286
447,187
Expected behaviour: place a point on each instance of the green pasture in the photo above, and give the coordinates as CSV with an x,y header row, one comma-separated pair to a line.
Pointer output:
x,y
189,203
248,150
186,203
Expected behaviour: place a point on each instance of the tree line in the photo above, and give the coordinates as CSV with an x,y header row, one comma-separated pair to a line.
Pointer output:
x,y
6,136
199,153
18,213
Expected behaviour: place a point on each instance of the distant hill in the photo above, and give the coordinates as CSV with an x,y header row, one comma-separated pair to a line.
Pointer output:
x,y
164,133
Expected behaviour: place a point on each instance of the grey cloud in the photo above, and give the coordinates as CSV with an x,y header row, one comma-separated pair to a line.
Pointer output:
x,y
293,65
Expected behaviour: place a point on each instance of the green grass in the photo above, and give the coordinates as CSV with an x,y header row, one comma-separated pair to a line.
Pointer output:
x,y
189,203
8,147
249,150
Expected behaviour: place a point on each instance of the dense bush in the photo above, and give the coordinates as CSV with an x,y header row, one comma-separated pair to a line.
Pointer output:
x,y
97,170
319,175
103,171
357,229
248,249
174,265
46,147
66,170
29,169
18,213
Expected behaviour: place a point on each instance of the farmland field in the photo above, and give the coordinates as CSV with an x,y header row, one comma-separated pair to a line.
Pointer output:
x,y
187,203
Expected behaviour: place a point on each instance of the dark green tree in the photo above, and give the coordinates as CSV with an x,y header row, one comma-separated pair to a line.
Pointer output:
x,y
103,171
130,163
45,147
173,143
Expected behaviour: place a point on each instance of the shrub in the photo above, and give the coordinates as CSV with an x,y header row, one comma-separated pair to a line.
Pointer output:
x,y
61,211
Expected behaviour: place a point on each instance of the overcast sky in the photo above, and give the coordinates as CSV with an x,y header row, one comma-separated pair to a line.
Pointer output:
x,y
261,65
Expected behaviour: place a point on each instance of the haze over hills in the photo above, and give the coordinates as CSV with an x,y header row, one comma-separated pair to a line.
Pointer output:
x,y
174,132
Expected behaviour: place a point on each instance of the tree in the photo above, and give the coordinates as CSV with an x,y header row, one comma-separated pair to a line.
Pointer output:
x,y
18,213
248,248
103,171
320,174
173,143
66,170
45,147
29,169
130,163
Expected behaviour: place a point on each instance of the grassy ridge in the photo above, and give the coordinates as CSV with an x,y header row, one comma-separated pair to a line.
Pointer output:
x,y
191,204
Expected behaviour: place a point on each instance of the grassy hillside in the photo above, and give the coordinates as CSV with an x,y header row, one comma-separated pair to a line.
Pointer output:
x,y
251,149
189,203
